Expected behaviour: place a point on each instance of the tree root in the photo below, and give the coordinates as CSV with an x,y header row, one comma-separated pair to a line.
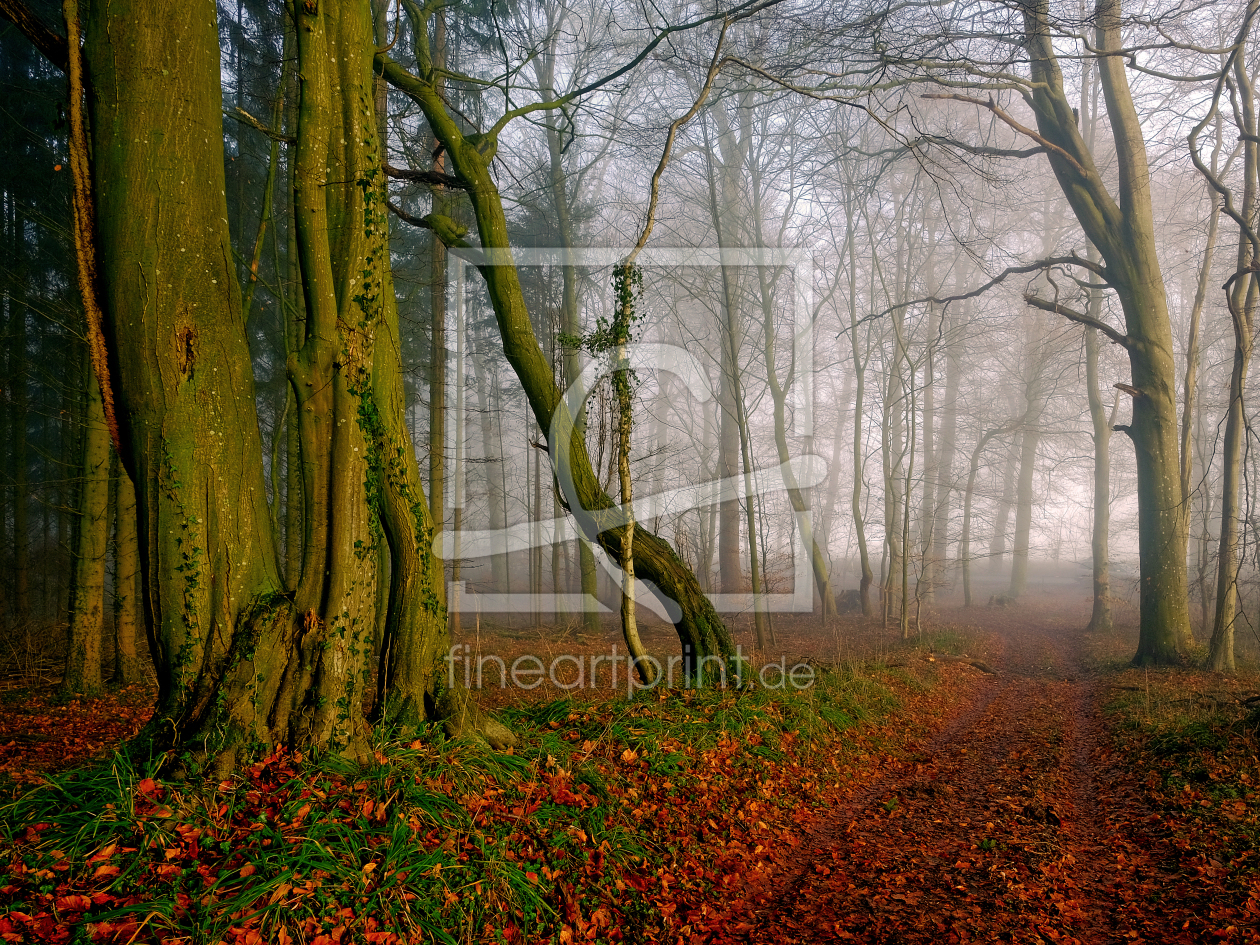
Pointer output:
x,y
463,718
947,658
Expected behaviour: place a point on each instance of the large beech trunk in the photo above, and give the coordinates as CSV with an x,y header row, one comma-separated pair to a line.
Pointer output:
x,y
1123,231
240,662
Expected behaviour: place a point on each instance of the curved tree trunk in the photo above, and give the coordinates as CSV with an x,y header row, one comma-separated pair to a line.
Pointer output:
x,y
700,630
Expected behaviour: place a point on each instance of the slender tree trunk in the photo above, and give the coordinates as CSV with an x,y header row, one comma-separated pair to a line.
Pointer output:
x,y
1100,619
626,289
83,675
1242,295
571,326
867,575
1023,507
492,459
461,473
1190,385
964,542
912,412
1001,521
730,282
17,383
894,454
832,501
730,567
733,154
798,498
925,585
947,448
129,669
437,310
708,516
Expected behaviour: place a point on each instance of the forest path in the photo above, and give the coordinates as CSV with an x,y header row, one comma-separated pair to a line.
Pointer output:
x,y
1009,824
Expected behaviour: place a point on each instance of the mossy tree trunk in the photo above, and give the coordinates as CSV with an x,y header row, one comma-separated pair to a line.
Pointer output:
x,y
183,381
241,663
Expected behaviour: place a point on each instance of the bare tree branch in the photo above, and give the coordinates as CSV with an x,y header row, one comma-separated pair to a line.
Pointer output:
x,y
1039,266
980,150
1003,116
245,118
444,228
432,178
52,46
1080,317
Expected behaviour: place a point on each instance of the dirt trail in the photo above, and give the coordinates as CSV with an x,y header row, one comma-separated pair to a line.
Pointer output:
x,y
1008,825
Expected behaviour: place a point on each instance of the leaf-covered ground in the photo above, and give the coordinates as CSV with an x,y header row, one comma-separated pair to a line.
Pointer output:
x,y
1025,820
905,798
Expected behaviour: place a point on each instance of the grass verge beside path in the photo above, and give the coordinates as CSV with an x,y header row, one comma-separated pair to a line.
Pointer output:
x,y
1191,747
656,820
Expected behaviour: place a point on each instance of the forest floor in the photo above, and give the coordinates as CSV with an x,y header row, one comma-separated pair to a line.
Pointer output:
x,y
1000,777
1024,817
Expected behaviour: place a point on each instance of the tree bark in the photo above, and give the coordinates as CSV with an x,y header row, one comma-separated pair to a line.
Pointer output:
x,y
83,674
129,669
1124,233
240,663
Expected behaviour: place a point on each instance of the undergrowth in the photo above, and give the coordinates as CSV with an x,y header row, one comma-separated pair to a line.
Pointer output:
x,y
1190,742
616,821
